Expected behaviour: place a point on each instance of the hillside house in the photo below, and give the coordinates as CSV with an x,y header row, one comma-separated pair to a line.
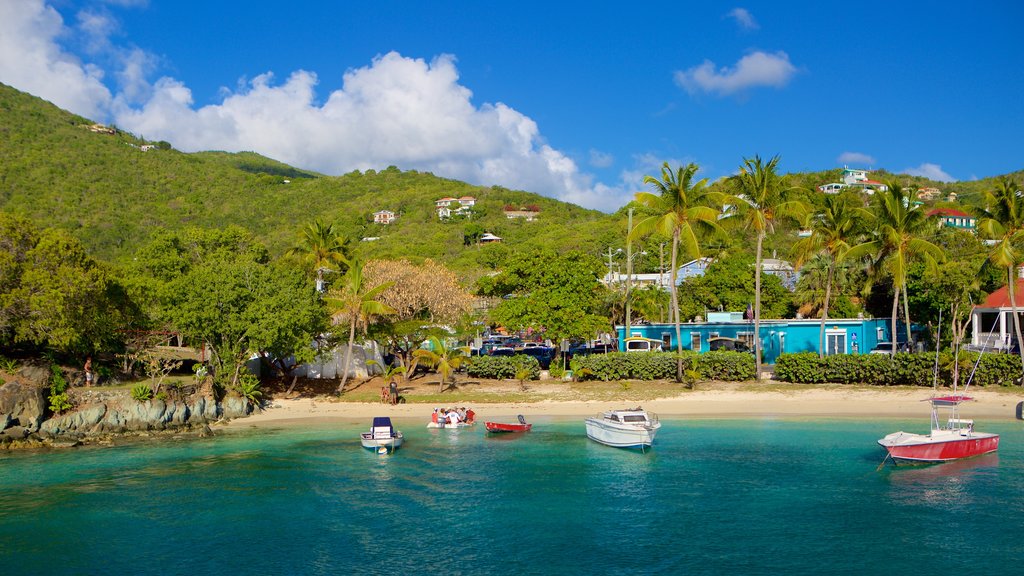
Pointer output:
x,y
859,179
928,194
953,218
528,213
992,320
488,238
694,268
384,217
448,207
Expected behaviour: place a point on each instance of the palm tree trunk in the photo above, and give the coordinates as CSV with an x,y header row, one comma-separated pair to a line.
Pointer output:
x,y
824,314
906,314
348,356
1012,285
674,313
895,314
757,307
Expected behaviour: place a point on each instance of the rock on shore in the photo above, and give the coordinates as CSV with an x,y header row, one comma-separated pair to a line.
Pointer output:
x,y
103,413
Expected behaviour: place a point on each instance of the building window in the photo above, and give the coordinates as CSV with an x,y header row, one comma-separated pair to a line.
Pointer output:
x,y
666,342
835,342
695,341
747,338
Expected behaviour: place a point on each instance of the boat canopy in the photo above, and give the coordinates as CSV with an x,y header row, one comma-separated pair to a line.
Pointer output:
x,y
949,400
381,422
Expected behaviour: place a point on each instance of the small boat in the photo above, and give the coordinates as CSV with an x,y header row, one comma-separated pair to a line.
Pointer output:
x,y
439,420
382,437
953,439
522,426
950,440
634,428
449,425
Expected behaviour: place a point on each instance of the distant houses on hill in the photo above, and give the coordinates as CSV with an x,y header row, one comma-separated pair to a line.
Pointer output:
x,y
528,213
384,217
694,268
852,178
449,207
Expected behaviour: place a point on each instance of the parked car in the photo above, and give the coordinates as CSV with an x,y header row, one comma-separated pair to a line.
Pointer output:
x,y
723,343
543,354
886,348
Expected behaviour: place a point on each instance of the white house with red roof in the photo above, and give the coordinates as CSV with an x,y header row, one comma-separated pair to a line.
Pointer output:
x,y
953,218
859,179
992,320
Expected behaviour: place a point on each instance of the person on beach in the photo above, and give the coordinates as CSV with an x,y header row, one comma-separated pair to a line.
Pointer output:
x,y
384,397
470,416
88,371
393,388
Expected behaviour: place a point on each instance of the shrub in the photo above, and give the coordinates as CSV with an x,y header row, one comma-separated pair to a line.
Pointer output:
x,y
726,365
899,369
502,367
249,388
8,365
556,371
141,392
59,399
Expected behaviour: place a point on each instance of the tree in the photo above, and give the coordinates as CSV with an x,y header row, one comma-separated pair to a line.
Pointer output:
x,y
895,241
442,359
832,231
422,297
681,208
356,302
559,296
762,200
1003,220
324,248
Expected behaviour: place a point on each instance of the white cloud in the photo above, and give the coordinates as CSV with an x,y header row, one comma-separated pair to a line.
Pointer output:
x,y
397,111
31,60
930,171
753,70
743,18
856,158
600,159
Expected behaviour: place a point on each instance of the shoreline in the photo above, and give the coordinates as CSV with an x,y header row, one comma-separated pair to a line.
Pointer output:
x,y
811,403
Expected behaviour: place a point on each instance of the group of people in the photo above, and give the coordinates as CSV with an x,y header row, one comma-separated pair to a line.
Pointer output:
x,y
452,416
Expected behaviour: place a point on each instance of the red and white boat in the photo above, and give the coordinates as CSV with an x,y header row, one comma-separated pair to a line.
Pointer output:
x,y
501,427
950,440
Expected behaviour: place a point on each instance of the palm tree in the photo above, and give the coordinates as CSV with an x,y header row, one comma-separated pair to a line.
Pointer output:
x,y
443,359
832,229
897,224
681,208
355,302
323,246
762,200
1002,219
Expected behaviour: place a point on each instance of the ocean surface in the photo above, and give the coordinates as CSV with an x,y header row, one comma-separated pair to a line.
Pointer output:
x,y
759,496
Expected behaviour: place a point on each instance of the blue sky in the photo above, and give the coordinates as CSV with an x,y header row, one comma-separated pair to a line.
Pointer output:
x,y
577,101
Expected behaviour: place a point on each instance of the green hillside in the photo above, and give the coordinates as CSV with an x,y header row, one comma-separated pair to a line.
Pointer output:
x,y
113,195
101,185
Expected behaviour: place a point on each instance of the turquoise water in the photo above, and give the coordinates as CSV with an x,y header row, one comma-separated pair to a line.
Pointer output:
x,y
714,497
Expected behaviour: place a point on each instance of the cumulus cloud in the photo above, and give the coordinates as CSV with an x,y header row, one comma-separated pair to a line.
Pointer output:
x,y
32,60
743,18
753,70
930,171
856,158
397,110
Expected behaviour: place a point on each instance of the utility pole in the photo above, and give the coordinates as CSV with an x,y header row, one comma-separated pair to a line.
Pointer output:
x,y
609,266
629,272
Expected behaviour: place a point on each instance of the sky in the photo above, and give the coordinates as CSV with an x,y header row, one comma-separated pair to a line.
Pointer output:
x,y
573,100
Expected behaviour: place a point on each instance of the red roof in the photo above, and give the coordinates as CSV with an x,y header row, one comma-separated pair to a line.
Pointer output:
x,y
1001,298
949,212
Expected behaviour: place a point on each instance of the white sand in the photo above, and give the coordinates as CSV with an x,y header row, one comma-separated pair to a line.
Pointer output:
x,y
812,403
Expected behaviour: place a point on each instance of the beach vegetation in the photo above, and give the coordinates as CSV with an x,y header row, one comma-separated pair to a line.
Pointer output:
x,y
901,369
442,358
355,302
719,365
141,392
248,387
1002,220
502,367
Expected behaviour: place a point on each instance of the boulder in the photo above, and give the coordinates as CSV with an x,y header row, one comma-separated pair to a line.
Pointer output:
x,y
22,404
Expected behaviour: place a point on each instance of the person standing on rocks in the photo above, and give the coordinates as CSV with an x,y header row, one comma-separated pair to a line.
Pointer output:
x,y
89,377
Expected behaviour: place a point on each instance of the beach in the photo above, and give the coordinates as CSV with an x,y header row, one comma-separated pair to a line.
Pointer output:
x,y
812,402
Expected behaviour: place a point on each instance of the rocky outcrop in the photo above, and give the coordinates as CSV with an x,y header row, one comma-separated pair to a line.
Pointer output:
x,y
127,415
22,404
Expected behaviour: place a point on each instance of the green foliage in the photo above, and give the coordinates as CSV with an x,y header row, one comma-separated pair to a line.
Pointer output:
x,y
8,365
720,365
898,370
556,370
248,387
728,284
725,365
141,393
502,367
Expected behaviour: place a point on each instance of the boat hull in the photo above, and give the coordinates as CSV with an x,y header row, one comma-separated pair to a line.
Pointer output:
x,y
448,426
621,436
375,444
499,427
940,446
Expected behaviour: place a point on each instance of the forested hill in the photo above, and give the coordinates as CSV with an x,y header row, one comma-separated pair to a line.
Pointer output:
x,y
60,169
114,190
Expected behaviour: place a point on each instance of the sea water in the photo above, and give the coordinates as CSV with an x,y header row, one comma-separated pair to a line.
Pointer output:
x,y
757,496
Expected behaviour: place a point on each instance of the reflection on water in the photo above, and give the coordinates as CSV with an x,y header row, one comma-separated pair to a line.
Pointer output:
x,y
954,485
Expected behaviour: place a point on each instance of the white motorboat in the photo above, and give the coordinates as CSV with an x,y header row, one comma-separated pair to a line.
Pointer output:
x,y
634,428
382,437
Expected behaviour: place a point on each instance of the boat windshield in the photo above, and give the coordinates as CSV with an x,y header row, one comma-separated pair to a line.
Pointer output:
x,y
634,418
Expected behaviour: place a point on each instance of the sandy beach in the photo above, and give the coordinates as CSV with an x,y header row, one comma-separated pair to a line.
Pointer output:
x,y
823,402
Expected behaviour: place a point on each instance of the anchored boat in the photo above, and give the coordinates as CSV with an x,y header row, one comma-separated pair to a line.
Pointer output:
x,y
953,439
634,428
522,426
382,437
